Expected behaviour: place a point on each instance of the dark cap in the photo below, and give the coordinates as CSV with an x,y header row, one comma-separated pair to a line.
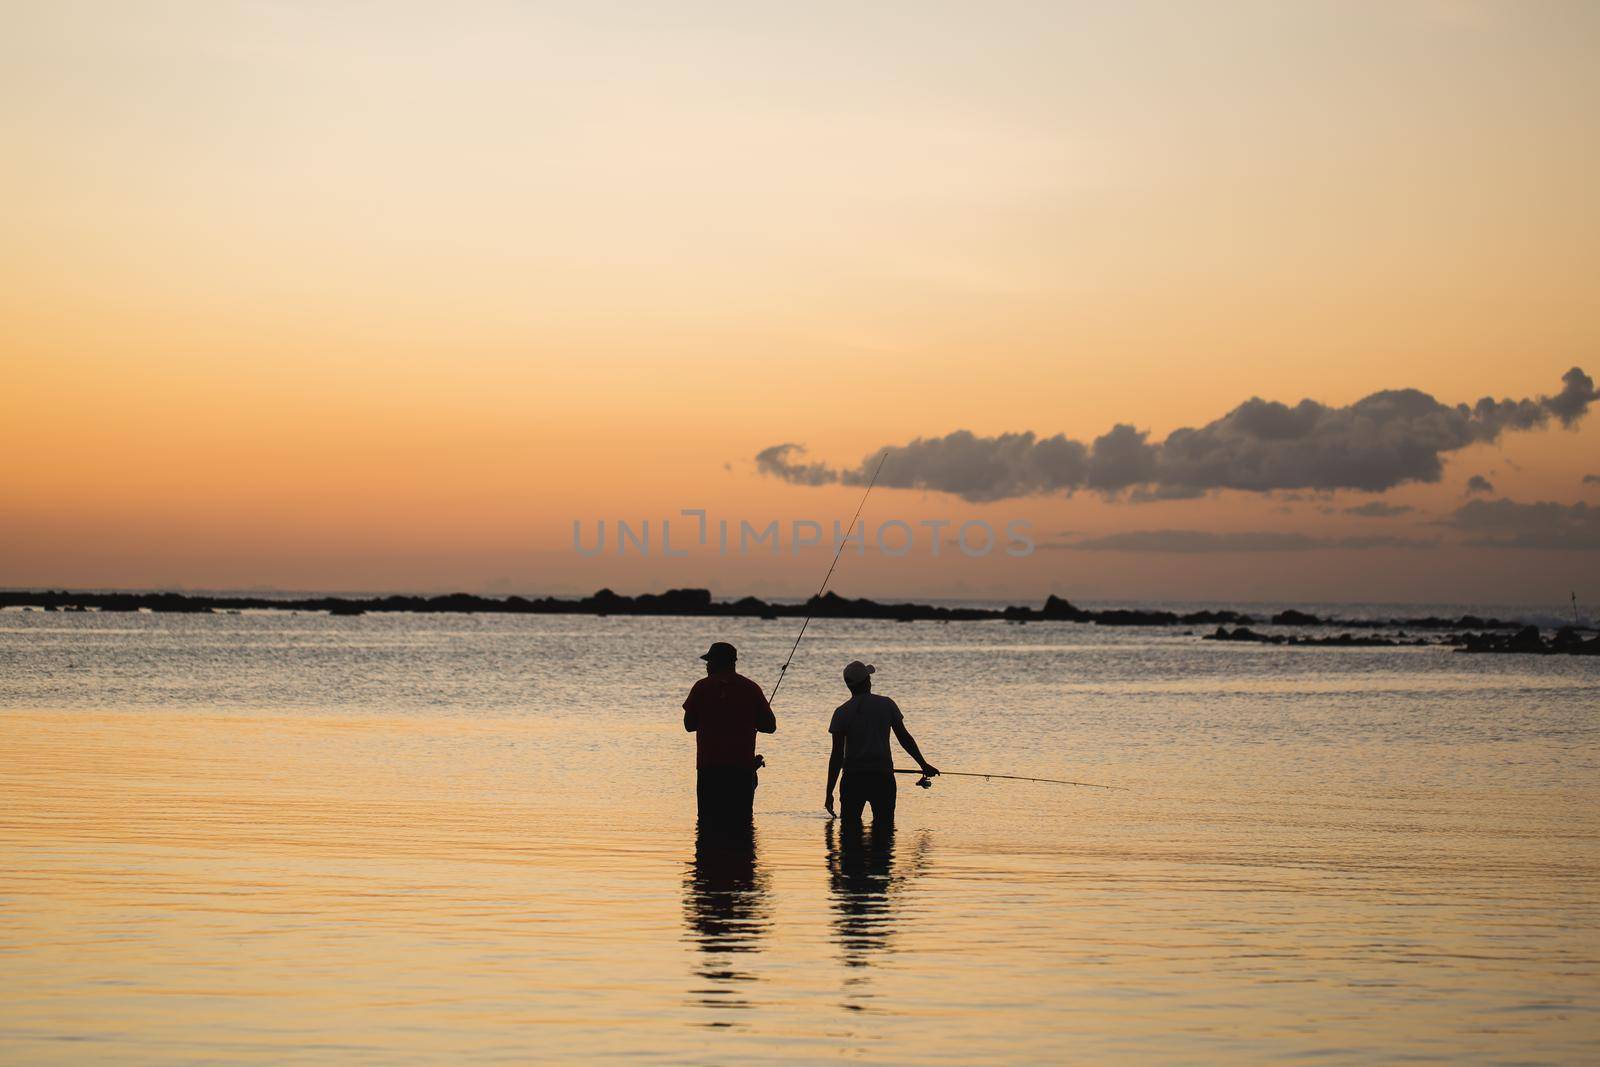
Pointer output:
x,y
856,672
720,650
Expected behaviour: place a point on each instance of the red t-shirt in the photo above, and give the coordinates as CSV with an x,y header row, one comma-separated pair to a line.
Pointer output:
x,y
724,709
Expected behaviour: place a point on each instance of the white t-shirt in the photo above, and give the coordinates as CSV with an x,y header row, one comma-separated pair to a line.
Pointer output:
x,y
864,722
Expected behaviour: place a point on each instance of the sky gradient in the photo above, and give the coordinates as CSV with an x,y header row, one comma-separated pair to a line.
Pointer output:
x,y
379,297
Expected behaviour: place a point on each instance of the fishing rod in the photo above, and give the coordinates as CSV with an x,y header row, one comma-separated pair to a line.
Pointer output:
x,y
839,551
927,783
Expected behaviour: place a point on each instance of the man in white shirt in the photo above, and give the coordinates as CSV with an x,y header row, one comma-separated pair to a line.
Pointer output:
x,y
860,729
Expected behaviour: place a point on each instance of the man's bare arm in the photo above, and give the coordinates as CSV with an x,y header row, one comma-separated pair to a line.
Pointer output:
x,y
835,765
766,722
691,719
909,743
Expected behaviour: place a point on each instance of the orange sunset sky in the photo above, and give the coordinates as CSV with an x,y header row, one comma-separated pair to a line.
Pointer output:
x,y
383,297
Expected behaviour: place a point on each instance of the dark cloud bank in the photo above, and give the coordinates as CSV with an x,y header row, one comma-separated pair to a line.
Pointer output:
x,y
1377,509
1376,443
1188,542
1484,524
1509,524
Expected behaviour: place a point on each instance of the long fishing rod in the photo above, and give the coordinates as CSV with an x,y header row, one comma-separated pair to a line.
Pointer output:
x,y
927,784
839,551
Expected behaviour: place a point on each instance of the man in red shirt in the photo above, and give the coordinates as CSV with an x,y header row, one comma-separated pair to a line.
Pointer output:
x,y
724,711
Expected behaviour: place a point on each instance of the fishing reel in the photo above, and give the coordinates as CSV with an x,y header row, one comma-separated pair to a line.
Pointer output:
x,y
924,782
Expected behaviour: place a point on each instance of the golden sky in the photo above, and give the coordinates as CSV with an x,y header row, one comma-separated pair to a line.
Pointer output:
x,y
384,297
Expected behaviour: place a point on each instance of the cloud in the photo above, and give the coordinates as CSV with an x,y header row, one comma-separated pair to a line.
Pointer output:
x,y
1198,541
985,468
1509,524
775,461
1577,393
1591,479
1381,441
1379,510
1479,484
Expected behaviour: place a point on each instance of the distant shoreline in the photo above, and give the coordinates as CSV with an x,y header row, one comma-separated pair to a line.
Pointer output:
x,y
699,602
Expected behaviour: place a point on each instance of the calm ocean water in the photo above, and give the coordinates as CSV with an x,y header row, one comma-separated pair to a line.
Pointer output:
x,y
291,838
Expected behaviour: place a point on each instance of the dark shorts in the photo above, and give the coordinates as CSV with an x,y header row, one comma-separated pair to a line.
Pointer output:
x,y
725,794
861,788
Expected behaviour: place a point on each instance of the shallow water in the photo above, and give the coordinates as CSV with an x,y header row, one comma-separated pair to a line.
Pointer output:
x,y
278,838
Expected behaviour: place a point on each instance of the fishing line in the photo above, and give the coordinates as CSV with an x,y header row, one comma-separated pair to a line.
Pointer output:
x,y
926,783
827,577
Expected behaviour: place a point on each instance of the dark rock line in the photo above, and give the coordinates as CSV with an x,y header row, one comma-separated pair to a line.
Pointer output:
x,y
1567,641
696,602
1513,636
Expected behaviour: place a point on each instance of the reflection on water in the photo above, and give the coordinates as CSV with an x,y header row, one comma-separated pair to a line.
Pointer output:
x,y
867,890
263,839
725,907
860,866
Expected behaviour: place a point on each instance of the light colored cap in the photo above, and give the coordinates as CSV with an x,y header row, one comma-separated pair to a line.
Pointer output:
x,y
857,672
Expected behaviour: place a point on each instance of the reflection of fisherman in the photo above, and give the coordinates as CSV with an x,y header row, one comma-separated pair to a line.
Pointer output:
x,y
860,872
860,730
725,906
724,711
868,874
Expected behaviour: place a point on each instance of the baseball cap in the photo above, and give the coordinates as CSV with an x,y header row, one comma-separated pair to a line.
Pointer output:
x,y
856,672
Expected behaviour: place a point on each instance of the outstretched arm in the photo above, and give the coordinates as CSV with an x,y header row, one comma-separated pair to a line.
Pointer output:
x,y
835,764
909,743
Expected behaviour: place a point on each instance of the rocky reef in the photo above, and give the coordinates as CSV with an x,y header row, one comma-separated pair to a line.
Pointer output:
x,y
1567,641
1344,640
1527,639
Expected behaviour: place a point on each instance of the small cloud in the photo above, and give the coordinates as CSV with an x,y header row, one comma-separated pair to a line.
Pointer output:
x,y
1377,509
1591,479
727,467
1479,484
777,462
1141,495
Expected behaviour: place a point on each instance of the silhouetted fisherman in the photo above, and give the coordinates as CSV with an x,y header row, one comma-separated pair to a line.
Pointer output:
x,y
724,711
860,730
